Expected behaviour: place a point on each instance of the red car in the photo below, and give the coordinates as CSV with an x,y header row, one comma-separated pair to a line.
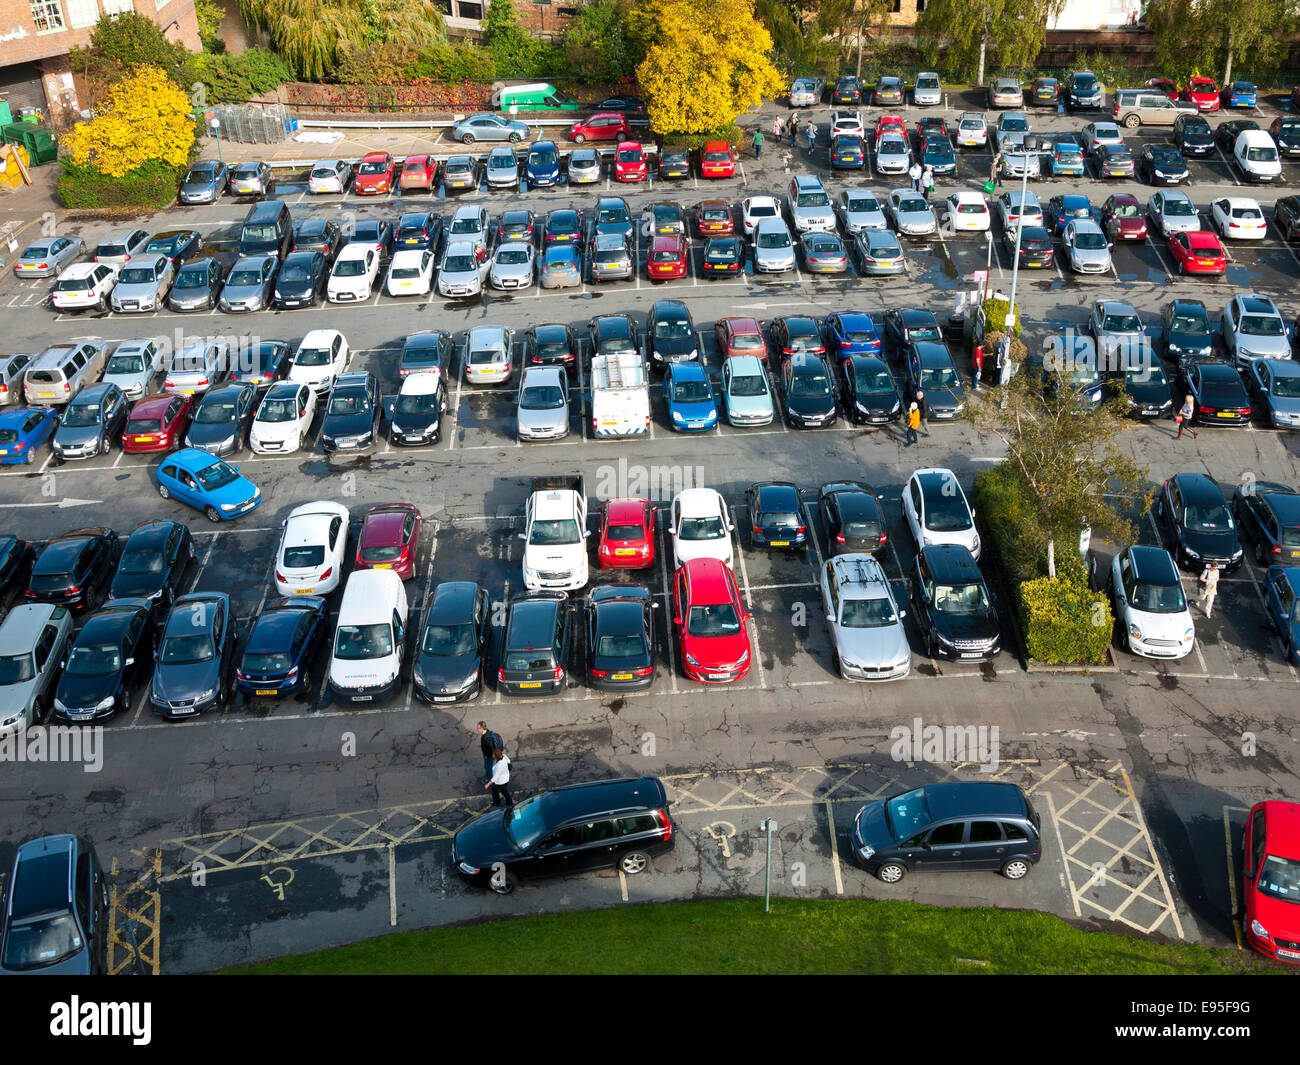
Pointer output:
x,y
710,622
419,172
390,535
603,126
1198,253
629,162
667,258
157,423
1203,92
1122,218
1270,879
740,336
1165,85
375,175
717,160
627,534
713,219
888,122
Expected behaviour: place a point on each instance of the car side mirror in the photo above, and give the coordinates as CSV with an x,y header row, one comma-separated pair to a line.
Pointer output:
x,y
677,621
830,618
902,614
522,536
130,662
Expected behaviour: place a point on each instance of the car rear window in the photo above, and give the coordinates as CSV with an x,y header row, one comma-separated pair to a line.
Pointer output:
x,y
524,661
111,249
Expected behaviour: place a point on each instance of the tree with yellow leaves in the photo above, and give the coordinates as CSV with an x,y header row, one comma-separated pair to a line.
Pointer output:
x,y
148,118
707,62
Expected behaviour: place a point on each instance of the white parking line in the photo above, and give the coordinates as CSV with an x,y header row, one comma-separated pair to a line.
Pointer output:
x,y
756,651
665,555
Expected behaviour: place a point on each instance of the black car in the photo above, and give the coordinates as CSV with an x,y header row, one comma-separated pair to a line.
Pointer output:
x,y
318,234
261,366
373,231
868,392
930,369
421,230
422,352
1192,135
454,640
961,826
808,389
302,280
612,334
72,570
415,413
1160,164
1286,216
1035,245
853,518
609,823
353,416
670,334
954,609
16,558
1225,136
1285,132
1185,330
221,419
192,665
517,225
1044,92
1144,382
154,562
1082,90
110,659
282,646
1198,523
674,163
723,256
847,91
620,637
665,220
179,245
776,516
902,328
1268,515
57,913
563,227
551,345
197,284
794,334
620,103
1219,396
612,216
535,652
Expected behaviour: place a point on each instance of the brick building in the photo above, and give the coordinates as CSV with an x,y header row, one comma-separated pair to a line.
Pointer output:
x,y
36,36
465,17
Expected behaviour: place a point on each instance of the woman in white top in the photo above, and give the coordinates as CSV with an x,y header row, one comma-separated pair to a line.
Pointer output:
x,y
500,782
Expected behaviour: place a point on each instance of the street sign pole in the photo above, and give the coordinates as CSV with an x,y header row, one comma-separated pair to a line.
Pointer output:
x,y
769,826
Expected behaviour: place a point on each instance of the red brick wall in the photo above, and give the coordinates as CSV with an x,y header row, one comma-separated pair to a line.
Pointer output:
x,y
27,45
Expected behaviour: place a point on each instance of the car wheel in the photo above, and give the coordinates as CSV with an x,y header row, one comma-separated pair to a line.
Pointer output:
x,y
467,138
164,491
30,457
579,138
634,862
891,872
212,513
503,882
515,138
620,137
1015,868
1132,122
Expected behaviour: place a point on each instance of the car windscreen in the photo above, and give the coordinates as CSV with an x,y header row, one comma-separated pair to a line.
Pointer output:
x,y
97,660
16,669
355,642
1121,323
555,531
875,384
940,379
125,364
244,277
1149,372
1184,323
967,598
908,204
81,415
1286,387
1125,210
810,384
375,166
773,238
266,662
278,410
46,940
1261,154
192,277
458,264
218,475
445,640
541,397
216,413
352,267
1262,325
1158,598
708,528
141,560
542,158
512,257
691,392
1211,518
867,613
137,275
526,823
714,619
907,813
749,385
1089,241
348,403
186,650
1179,208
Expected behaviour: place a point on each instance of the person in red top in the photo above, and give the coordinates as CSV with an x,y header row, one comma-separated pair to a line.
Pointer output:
x,y
977,361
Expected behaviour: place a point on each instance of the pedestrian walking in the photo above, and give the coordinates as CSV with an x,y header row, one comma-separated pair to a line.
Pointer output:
x,y
914,172
758,144
995,171
793,127
977,363
489,742
1184,417
923,409
913,424
778,127
812,136
500,781
927,184
1209,588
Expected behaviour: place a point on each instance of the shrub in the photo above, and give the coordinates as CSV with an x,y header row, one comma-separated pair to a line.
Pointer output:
x,y
152,186
376,64
149,118
445,62
731,134
1063,620
234,78
995,314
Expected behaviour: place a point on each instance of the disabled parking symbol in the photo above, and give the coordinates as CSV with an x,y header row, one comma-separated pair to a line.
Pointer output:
x,y
722,832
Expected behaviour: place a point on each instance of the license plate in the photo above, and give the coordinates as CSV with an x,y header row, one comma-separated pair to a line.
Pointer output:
x,y
625,551
383,565
531,684
972,654
304,591
4,451
265,691
1224,414
143,439
719,676
1288,953
444,698
780,543
46,395
621,676
362,698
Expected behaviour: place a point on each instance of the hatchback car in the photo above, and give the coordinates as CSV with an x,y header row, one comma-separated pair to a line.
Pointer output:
x,y
155,563
252,178
1161,164
688,395
502,169
47,256
283,419
670,334
710,622
1198,253
34,639
537,644
1218,395
302,280
1122,218
740,336
700,526
376,175
853,518
207,483
74,569
630,162
193,665
1253,328
868,393
108,662
197,285
56,918
542,407
313,546
353,415
1238,217
1275,386
626,537
514,267
415,416
157,423
1006,92
282,646
455,636
389,539
204,182
584,166
250,284
459,172
1150,607
773,247
1270,872
746,395
808,391
92,420
418,172
776,518
937,511
620,637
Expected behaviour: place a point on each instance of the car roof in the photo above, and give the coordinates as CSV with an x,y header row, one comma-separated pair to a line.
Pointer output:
x,y
182,621
452,600
777,494
383,527
1153,565
42,878
1255,304
21,625
1198,488
153,404
699,502
966,798
599,797
368,596
951,562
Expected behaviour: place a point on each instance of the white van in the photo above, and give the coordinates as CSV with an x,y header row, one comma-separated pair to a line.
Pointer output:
x,y
370,638
1256,156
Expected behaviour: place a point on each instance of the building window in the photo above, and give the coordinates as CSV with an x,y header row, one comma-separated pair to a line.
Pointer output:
x,y
470,11
567,12
116,7
82,13
48,16
920,6
443,5
898,7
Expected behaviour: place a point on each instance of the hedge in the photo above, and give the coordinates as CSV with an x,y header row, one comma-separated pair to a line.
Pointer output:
x,y
152,185
731,134
1063,620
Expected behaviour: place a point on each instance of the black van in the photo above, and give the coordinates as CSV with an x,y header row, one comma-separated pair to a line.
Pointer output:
x,y
959,827
605,823
267,230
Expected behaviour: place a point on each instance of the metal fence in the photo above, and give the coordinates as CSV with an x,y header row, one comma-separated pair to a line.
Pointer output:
x,y
252,125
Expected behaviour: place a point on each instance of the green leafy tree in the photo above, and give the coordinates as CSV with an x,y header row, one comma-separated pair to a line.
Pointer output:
x,y
511,45
1198,36
121,43
962,31
208,14
598,47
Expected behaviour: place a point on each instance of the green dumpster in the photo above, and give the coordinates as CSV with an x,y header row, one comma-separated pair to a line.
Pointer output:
x,y
6,116
40,143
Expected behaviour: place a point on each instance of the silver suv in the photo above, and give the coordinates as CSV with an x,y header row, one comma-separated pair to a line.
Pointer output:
x,y
142,284
1253,328
134,366
865,622
33,642
1138,107
809,204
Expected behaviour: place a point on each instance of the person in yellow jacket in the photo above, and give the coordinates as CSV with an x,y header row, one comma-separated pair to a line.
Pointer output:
x,y
913,423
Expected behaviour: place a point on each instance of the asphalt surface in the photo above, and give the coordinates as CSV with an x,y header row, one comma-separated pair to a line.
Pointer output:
x,y
267,829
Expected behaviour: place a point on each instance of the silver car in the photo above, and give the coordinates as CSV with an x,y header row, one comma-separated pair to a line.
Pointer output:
x,y
893,156
92,420
142,284
48,256
463,270
584,166
807,92
134,366
1006,92
459,172
197,366
117,246
1017,159
809,204
927,90
502,169
865,622
1276,384
823,253
910,213
249,284
489,127
879,252
859,209
543,403
12,368
773,247
612,258
204,182
34,641
487,355
1171,211
252,178
1085,245
1253,328
513,266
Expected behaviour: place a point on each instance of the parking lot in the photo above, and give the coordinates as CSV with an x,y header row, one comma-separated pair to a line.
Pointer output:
x,y
317,824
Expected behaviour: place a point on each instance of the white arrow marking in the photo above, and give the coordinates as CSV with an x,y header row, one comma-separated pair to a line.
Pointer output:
x,y
62,504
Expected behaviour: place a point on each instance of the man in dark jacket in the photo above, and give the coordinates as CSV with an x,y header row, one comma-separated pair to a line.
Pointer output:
x,y
488,742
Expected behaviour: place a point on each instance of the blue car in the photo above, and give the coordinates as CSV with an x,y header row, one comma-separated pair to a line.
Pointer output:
x,y
776,516
1282,601
691,407
852,333
939,155
281,647
847,152
22,431
1066,160
1065,209
1240,94
210,484
542,169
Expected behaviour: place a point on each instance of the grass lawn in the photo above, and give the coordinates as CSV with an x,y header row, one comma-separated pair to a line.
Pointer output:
x,y
798,936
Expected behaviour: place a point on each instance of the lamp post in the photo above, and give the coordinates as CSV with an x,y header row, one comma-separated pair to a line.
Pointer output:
x,y
215,126
1015,271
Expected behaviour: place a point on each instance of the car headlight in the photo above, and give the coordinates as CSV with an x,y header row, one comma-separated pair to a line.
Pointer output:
x,y
743,659
926,541
59,706
227,442
1187,636
105,704
866,850
678,416
1135,632
469,680
206,695
1258,929
1190,553
229,506
1237,554
467,869
976,541
691,660
12,719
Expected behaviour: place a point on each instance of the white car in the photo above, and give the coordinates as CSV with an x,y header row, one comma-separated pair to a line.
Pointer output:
x,y
83,285
972,131
463,269
283,419
1238,217
354,274
966,211
321,357
197,366
847,122
514,266
410,273
1012,212
584,166
313,544
755,208
1150,604
487,355
937,511
329,175
701,527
